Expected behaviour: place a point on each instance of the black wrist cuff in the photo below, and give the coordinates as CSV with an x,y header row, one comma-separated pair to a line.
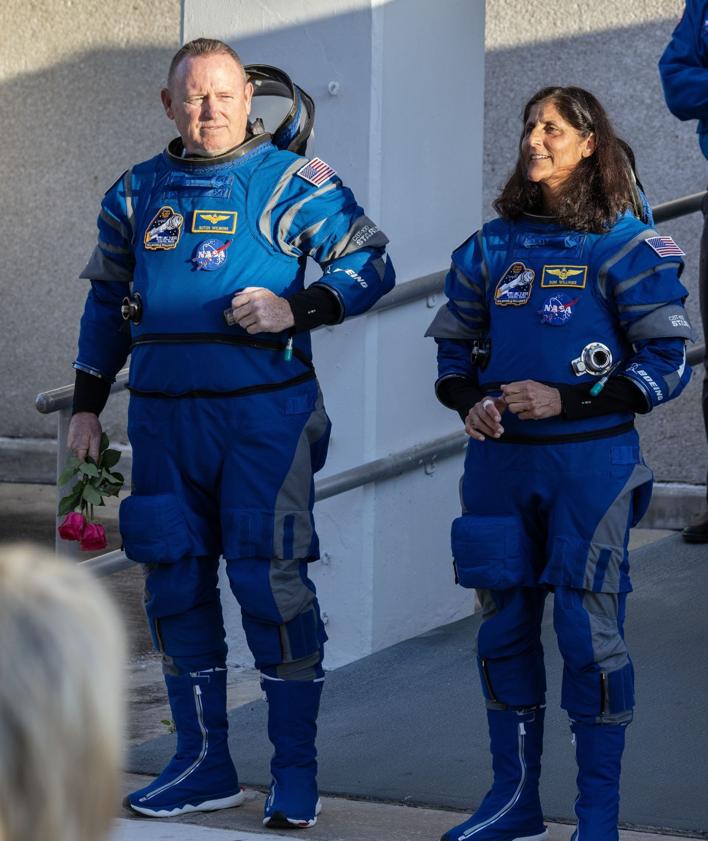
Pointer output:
x,y
458,393
90,393
313,307
618,395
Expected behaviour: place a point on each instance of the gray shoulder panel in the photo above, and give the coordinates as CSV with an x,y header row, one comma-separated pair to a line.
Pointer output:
x,y
446,326
668,322
99,267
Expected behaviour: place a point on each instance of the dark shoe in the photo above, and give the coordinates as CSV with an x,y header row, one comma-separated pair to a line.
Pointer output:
x,y
697,531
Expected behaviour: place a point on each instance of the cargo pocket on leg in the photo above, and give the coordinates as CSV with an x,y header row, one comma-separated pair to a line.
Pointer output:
x,y
154,529
491,553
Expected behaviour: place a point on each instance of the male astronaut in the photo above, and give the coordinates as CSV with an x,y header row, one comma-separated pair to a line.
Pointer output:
x,y
226,419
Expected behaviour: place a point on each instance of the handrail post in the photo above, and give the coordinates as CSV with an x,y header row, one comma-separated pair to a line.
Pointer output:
x,y
64,547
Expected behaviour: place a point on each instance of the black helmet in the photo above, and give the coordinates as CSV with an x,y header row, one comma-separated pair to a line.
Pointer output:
x,y
280,108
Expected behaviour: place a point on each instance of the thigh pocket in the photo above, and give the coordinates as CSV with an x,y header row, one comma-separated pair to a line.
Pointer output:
x,y
154,529
490,552
266,534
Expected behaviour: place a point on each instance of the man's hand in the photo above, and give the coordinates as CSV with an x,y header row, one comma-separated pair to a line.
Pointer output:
x,y
84,435
530,400
259,310
484,419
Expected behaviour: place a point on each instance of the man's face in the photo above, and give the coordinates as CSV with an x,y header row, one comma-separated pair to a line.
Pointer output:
x,y
209,99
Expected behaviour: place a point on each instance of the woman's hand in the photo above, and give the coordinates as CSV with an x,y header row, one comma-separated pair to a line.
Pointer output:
x,y
484,419
530,400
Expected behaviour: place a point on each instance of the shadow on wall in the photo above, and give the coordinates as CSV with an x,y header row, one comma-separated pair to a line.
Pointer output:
x,y
620,67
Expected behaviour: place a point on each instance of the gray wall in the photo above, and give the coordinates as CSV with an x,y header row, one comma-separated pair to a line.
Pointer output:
x,y
79,99
611,48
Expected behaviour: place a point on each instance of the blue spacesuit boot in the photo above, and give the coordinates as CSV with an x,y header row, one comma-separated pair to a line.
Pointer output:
x,y
200,777
292,726
598,750
511,809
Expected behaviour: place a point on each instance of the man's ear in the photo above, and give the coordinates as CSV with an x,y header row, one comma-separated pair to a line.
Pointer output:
x,y
166,98
248,96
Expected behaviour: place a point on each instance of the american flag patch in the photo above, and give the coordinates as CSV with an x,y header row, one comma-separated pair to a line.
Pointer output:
x,y
316,172
665,247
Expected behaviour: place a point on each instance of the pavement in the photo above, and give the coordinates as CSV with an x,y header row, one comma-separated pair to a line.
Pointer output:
x,y
26,513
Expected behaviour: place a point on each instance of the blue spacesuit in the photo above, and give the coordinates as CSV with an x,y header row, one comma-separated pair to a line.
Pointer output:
x,y
684,74
227,430
548,505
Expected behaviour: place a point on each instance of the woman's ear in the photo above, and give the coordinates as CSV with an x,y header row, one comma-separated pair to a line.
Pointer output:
x,y
589,146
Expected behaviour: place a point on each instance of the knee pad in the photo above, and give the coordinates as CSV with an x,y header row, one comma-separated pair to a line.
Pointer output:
x,y
191,641
276,645
595,695
598,676
514,681
509,651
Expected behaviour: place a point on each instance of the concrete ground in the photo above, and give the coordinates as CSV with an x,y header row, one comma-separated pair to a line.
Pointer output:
x,y
26,514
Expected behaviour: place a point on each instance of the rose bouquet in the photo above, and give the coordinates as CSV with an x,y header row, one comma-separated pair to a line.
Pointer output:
x,y
95,479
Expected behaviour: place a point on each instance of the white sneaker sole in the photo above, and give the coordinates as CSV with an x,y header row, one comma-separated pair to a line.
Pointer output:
x,y
206,806
292,822
543,836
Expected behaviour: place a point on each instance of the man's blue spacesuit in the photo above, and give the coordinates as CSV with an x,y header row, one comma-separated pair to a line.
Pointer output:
x,y
548,506
684,74
227,430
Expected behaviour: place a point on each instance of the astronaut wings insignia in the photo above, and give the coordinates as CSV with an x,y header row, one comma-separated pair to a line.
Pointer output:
x,y
214,221
575,276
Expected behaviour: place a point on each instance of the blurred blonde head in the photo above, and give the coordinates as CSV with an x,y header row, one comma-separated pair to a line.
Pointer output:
x,y
61,700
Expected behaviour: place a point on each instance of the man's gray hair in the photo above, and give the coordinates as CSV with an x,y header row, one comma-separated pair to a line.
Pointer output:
x,y
61,699
200,47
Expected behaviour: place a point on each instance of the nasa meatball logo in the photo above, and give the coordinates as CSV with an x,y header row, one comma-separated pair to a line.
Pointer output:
x,y
164,230
558,309
514,286
210,254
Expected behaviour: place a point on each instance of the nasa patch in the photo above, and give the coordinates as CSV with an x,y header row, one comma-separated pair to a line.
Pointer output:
x,y
558,309
164,231
514,286
210,254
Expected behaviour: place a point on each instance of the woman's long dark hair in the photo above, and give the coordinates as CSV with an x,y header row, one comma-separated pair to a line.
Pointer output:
x,y
599,188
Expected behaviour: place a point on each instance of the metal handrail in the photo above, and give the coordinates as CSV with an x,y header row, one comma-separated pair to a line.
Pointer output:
x,y
678,207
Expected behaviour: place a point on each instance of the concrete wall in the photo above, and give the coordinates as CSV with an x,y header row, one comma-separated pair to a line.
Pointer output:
x,y
79,98
611,48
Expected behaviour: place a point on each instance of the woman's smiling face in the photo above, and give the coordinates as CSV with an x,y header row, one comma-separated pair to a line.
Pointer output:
x,y
551,148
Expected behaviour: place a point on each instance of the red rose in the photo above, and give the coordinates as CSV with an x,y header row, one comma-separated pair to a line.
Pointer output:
x,y
73,526
94,537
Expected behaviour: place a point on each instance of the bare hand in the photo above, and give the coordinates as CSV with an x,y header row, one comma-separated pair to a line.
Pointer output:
x,y
530,400
484,419
84,436
259,310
